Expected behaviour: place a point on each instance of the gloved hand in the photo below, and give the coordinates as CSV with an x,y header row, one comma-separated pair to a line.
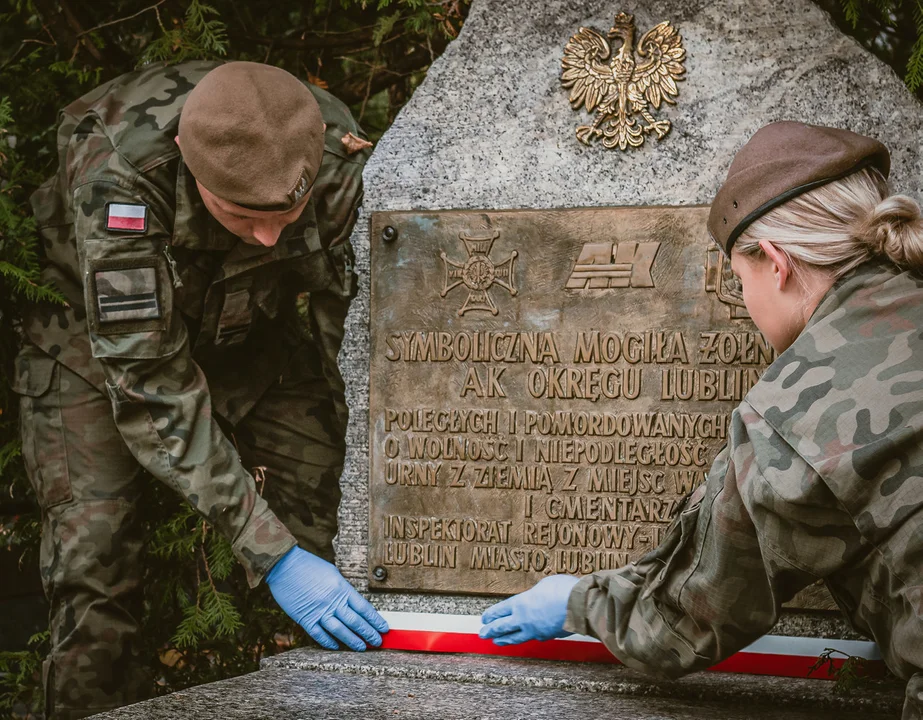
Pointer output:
x,y
314,594
536,614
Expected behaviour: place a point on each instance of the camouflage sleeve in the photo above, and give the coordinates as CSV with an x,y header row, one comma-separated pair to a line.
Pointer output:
x,y
160,399
338,194
338,189
762,527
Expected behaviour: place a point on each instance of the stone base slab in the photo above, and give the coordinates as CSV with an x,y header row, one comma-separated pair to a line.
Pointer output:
x,y
317,684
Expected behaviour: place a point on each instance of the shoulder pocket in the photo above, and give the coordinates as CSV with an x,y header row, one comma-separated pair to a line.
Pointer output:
x,y
129,299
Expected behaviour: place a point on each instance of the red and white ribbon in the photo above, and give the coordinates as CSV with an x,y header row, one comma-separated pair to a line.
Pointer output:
x,y
770,655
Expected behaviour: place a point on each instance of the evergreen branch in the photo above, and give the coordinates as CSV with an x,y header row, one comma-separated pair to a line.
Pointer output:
x,y
194,624
222,616
19,673
122,19
208,570
8,453
221,557
6,113
885,6
197,38
851,674
852,11
173,540
914,76
25,286
39,638
213,615
384,27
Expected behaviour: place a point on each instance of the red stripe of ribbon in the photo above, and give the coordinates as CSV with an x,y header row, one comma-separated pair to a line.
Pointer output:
x,y
742,662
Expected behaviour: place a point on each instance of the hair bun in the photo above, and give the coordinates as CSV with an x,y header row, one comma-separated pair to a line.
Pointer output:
x,y
894,229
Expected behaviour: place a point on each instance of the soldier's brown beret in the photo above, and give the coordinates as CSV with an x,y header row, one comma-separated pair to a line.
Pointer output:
x,y
780,162
253,135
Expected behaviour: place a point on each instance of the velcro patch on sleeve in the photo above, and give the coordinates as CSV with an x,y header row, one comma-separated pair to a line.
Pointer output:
x,y
127,294
126,217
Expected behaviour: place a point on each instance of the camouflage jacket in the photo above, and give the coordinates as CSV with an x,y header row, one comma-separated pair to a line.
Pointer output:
x,y
822,478
161,297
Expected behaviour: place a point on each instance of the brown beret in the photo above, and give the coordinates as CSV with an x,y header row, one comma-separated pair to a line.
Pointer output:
x,y
781,161
253,135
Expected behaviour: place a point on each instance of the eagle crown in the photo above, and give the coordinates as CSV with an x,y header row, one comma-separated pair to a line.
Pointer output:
x,y
623,26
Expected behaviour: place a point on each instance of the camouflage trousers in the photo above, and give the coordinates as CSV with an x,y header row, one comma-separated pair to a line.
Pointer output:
x,y
913,699
88,485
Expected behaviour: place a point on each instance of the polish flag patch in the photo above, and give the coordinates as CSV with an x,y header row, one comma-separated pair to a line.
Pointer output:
x,y
126,217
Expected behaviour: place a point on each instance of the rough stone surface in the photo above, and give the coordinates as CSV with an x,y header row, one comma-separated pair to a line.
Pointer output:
x,y
319,684
711,687
491,128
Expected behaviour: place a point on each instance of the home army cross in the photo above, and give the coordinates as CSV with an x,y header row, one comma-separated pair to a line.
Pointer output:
x,y
479,273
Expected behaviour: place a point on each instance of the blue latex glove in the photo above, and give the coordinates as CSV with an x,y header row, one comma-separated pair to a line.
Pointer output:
x,y
537,614
314,594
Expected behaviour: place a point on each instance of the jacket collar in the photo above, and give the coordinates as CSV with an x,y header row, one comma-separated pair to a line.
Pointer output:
x,y
195,229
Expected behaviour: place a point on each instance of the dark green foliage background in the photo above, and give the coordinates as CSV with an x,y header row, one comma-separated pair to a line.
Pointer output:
x,y
201,622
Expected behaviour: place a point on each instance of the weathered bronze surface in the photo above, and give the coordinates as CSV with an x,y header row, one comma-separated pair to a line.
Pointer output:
x,y
624,87
546,385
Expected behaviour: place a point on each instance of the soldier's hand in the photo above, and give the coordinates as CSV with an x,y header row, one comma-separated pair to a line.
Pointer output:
x,y
314,594
537,614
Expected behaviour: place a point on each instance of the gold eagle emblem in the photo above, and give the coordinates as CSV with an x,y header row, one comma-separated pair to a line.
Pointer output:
x,y
624,88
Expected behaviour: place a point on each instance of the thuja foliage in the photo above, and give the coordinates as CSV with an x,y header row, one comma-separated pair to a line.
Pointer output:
x,y
892,29
201,622
907,13
851,674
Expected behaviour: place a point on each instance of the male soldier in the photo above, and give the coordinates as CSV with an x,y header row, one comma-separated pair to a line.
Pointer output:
x,y
191,206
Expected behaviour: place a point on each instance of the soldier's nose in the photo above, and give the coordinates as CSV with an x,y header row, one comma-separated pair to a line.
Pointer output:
x,y
267,235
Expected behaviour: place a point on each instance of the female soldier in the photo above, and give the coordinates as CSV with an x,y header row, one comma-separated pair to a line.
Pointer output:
x,y
822,477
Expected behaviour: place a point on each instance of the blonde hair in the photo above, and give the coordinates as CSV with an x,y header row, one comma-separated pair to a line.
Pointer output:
x,y
842,224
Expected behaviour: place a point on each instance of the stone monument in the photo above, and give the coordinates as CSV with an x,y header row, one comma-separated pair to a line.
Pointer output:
x,y
566,293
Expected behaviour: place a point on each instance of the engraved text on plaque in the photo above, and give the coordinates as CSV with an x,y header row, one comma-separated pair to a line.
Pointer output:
x,y
546,386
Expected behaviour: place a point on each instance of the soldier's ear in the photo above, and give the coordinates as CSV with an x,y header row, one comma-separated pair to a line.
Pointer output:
x,y
781,264
176,140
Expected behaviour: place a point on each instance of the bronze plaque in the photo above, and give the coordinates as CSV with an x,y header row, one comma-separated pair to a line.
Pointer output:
x,y
546,385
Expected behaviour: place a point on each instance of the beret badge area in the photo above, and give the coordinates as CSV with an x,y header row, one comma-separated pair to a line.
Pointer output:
x,y
301,188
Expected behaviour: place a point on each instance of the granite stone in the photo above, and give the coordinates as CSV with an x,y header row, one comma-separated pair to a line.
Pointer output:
x,y
712,687
491,128
385,685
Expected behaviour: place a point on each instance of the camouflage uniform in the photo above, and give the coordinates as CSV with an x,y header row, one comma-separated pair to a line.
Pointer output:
x,y
822,478
169,331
